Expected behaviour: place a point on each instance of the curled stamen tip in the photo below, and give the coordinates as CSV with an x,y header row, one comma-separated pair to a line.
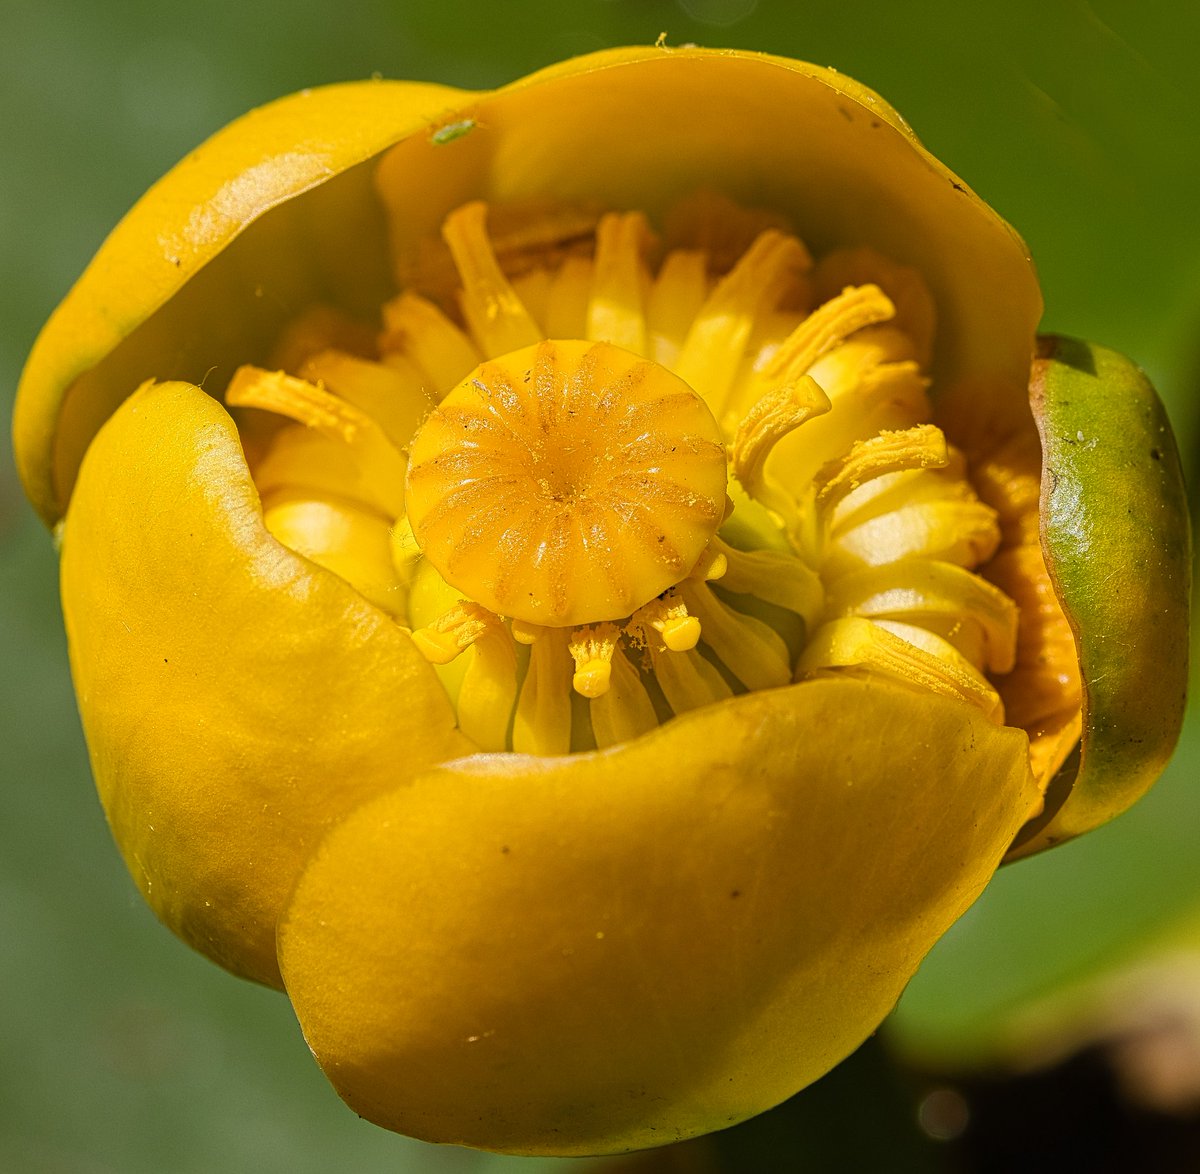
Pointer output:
x,y
593,678
681,635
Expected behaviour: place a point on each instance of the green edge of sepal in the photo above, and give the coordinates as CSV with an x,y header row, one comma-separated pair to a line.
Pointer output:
x,y
1117,542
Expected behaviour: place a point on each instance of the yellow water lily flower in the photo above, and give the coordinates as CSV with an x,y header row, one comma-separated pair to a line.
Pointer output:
x,y
567,581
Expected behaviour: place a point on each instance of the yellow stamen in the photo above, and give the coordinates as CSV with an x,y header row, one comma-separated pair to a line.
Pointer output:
x,y
533,290
825,328
921,592
954,527
489,689
382,463
902,652
747,647
922,447
567,301
687,680
774,415
868,396
624,709
916,314
526,633
712,564
615,312
669,618
775,577
675,299
452,632
542,722
592,650
393,397
498,319
716,343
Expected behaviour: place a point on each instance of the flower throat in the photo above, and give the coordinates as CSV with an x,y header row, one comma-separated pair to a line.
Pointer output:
x,y
605,478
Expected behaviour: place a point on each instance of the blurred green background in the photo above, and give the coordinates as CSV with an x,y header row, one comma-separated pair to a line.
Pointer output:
x,y
120,1051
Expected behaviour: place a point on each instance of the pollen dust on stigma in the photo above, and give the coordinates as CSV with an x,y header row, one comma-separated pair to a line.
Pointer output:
x,y
605,475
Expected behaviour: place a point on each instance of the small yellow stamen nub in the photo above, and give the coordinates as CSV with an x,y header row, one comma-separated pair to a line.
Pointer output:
x,y
567,483
451,633
669,617
592,650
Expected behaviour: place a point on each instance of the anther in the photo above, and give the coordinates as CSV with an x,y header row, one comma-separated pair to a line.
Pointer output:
x,y
677,629
381,464
592,650
774,415
451,633
922,447
826,327
615,312
717,339
415,328
496,314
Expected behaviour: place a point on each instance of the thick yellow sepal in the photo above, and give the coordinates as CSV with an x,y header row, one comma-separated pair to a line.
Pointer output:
x,y
82,366
237,699
1117,543
623,948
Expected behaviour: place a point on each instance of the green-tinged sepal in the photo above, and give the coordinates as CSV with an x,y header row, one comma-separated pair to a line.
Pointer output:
x,y
1117,542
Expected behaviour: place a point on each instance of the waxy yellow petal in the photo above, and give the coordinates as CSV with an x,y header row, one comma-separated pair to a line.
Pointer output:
x,y
237,698
626,947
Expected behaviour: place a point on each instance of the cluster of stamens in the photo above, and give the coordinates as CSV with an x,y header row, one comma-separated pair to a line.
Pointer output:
x,y
603,481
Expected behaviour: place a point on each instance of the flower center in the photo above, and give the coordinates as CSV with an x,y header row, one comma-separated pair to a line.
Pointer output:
x,y
566,483
604,478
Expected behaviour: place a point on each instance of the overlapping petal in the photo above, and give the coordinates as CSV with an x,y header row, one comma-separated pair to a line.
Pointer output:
x,y
237,699
624,948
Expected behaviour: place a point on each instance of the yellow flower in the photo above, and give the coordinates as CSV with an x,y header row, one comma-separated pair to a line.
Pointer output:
x,y
610,641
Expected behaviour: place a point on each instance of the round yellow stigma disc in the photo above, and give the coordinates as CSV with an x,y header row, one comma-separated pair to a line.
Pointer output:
x,y
566,483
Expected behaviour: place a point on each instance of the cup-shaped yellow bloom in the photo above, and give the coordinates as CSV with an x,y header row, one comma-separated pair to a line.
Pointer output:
x,y
583,584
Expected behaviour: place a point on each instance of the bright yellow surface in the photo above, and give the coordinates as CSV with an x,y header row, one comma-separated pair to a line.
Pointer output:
x,y
626,947
185,221
607,467
237,699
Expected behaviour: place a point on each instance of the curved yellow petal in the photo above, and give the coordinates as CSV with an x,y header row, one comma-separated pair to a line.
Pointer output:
x,y
1117,542
151,286
627,947
236,698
